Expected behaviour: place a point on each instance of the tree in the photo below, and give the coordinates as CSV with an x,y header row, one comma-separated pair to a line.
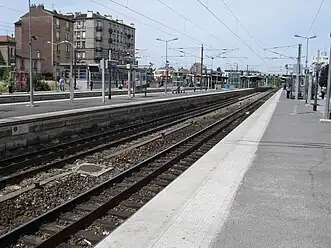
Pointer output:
x,y
324,76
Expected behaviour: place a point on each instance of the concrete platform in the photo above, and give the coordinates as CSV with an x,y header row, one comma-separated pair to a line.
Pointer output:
x,y
22,126
82,104
5,98
267,184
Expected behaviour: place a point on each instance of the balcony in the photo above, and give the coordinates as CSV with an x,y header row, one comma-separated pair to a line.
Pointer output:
x,y
99,28
98,38
98,49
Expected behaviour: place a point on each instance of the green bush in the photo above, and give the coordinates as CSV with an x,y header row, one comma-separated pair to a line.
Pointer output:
x,y
3,87
40,85
4,74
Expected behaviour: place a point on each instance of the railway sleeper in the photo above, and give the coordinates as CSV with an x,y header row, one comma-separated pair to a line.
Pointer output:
x,y
122,214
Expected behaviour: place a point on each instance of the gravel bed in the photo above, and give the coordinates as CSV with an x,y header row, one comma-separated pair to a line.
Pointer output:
x,y
88,159
20,244
31,180
38,201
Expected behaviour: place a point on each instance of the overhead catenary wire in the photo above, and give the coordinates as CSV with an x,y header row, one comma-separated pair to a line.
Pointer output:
x,y
313,21
194,24
158,22
12,9
211,12
234,15
315,17
146,24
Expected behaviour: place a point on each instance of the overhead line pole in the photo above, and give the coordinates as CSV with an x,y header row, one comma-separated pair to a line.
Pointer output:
x,y
298,74
30,59
201,64
328,91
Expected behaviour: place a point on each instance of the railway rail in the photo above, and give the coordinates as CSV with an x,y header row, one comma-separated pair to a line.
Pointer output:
x,y
15,169
120,196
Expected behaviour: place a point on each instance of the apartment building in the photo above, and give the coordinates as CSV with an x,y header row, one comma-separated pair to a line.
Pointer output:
x,y
95,35
49,29
7,50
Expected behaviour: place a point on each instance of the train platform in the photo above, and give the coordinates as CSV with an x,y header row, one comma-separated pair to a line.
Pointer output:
x,y
21,97
266,184
45,107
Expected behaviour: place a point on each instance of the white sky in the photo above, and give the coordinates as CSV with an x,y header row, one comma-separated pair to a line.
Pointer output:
x,y
270,23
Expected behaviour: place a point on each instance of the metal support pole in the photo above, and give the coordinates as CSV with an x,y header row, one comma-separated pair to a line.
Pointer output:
x,y
110,74
166,64
327,101
201,62
30,59
298,74
103,80
306,74
71,89
133,82
310,88
129,79
89,78
316,81
75,69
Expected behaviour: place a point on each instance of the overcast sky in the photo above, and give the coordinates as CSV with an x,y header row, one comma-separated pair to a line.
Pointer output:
x,y
269,23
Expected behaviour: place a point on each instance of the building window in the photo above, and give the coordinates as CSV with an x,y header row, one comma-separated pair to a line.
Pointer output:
x,y
67,25
83,44
67,48
67,36
83,55
78,24
99,24
77,44
58,35
78,55
12,53
83,24
78,35
83,34
57,23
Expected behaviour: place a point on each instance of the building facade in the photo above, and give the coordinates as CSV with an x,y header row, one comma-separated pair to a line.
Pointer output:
x,y
7,50
49,30
323,59
96,35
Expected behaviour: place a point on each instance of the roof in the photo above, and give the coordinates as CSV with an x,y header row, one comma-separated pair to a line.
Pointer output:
x,y
51,12
6,39
83,16
59,15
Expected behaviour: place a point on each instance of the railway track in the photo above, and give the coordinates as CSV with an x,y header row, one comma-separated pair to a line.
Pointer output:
x,y
119,197
15,169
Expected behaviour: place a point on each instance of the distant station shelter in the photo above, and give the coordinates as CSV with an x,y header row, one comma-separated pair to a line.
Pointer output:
x,y
251,81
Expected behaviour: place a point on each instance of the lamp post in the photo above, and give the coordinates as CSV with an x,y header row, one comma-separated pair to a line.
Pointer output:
x,y
166,62
30,59
71,68
306,69
56,62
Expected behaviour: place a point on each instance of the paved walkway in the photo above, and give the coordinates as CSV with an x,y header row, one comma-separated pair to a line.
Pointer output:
x,y
21,109
267,184
284,200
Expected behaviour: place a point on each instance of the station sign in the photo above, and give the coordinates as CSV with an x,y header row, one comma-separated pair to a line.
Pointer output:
x,y
111,64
